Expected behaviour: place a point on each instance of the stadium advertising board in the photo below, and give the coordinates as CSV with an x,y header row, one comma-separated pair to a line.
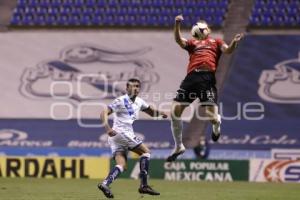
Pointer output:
x,y
46,133
36,135
193,170
265,81
54,167
285,154
275,170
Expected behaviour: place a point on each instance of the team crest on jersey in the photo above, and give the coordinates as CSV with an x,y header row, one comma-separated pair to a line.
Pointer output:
x,y
281,85
87,72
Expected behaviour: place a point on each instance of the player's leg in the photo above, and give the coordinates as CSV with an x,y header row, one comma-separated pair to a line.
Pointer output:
x,y
208,96
119,151
184,97
120,159
202,149
215,119
176,122
144,154
176,128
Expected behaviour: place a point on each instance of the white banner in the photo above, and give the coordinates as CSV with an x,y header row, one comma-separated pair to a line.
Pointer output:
x,y
73,74
285,154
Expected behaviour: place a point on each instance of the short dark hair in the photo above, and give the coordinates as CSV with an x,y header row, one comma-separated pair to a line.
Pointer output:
x,y
133,80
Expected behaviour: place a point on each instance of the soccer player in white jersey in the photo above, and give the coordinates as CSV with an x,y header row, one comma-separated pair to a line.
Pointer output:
x,y
122,138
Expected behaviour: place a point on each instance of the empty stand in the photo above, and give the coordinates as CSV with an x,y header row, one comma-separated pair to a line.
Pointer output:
x,y
150,13
275,13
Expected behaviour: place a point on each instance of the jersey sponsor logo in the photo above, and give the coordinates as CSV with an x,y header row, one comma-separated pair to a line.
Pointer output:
x,y
87,72
281,85
283,171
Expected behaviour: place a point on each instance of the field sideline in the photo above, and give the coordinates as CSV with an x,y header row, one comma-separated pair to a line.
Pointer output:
x,y
76,189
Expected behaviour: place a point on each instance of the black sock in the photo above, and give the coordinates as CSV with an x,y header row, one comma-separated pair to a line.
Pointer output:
x,y
113,174
144,168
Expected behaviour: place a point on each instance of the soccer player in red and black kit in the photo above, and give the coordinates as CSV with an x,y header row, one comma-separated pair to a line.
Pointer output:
x,y
200,81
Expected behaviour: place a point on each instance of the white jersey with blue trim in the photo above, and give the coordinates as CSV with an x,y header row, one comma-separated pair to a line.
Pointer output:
x,y
126,112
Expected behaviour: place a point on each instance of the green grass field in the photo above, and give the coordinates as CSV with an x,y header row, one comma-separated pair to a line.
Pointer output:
x,y
62,189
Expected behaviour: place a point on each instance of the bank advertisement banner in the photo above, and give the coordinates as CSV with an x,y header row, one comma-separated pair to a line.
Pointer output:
x,y
68,138
262,170
46,133
192,170
54,167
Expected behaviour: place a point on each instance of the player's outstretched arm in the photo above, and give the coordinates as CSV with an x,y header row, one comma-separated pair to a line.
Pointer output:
x,y
233,44
155,113
104,118
177,33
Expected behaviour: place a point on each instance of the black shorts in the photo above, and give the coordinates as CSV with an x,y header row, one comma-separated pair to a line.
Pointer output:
x,y
198,84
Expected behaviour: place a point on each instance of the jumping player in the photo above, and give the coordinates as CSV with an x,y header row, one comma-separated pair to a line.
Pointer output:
x,y
122,138
204,53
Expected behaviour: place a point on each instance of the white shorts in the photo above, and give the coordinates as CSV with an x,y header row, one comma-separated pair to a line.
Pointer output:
x,y
123,142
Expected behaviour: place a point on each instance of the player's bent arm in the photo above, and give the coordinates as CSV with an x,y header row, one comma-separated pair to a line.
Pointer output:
x,y
178,37
104,117
154,113
229,48
233,44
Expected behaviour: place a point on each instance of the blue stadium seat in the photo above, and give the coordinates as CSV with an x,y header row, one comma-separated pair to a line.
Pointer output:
x,y
101,3
218,20
78,3
167,4
39,20
97,20
55,3
112,3
20,10
52,20
125,3
16,19
91,3
74,20
179,3
67,3
85,20
45,4
141,20
27,20
53,10
62,20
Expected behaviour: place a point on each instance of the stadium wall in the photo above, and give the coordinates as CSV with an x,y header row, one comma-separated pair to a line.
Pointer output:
x,y
67,74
